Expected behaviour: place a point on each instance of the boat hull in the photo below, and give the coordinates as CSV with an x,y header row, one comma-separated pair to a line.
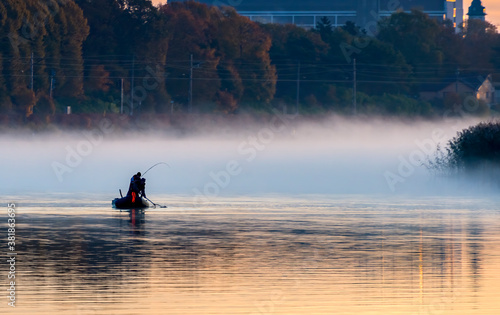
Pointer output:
x,y
126,203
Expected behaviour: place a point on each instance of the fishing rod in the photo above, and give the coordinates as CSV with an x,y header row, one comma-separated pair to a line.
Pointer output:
x,y
154,166
154,204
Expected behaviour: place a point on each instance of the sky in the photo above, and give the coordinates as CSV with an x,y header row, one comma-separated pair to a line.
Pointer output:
x,y
492,9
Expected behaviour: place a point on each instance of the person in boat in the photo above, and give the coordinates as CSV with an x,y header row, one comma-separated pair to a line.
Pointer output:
x,y
142,187
133,186
137,186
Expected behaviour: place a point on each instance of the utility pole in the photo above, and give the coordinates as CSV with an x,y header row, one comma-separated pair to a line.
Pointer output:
x,y
190,108
32,73
354,92
298,89
132,87
51,83
121,95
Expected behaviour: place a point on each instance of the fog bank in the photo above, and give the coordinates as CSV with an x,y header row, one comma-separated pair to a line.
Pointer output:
x,y
281,156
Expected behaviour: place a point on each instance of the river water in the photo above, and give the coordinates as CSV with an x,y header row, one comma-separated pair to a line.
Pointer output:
x,y
346,254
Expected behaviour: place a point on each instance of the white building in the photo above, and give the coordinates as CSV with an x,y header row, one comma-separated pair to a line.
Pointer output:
x,y
455,13
362,12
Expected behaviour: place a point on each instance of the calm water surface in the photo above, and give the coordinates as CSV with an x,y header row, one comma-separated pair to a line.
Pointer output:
x,y
311,255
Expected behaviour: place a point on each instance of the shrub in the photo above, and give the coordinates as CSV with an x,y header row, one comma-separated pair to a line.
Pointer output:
x,y
473,149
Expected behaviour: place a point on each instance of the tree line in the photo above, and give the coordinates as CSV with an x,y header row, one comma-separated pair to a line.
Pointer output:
x,y
107,55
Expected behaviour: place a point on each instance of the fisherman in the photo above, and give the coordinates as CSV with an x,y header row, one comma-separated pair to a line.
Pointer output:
x,y
137,186
142,187
133,187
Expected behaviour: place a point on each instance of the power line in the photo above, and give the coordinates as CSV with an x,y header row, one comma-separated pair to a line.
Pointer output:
x,y
354,93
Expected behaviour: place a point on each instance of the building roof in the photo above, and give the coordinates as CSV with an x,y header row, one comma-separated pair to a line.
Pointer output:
x,y
284,5
476,9
322,5
406,5
473,81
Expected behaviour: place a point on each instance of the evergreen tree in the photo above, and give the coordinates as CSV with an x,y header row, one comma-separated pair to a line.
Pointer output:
x,y
325,29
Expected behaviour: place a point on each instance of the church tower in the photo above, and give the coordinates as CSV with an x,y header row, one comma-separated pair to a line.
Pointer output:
x,y
477,11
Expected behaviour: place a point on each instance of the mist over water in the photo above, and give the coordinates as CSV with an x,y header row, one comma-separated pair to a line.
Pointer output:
x,y
331,156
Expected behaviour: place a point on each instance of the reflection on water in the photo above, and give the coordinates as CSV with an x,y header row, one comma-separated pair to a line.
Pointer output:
x,y
254,256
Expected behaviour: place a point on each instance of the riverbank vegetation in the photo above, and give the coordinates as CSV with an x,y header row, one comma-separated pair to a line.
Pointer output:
x,y
474,151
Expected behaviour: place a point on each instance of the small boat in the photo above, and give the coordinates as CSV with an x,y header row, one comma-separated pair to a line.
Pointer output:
x,y
126,203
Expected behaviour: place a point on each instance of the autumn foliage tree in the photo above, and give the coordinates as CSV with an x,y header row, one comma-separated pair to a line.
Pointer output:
x,y
47,34
89,53
230,53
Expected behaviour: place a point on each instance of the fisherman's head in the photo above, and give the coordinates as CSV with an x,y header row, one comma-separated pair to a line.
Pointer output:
x,y
138,174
